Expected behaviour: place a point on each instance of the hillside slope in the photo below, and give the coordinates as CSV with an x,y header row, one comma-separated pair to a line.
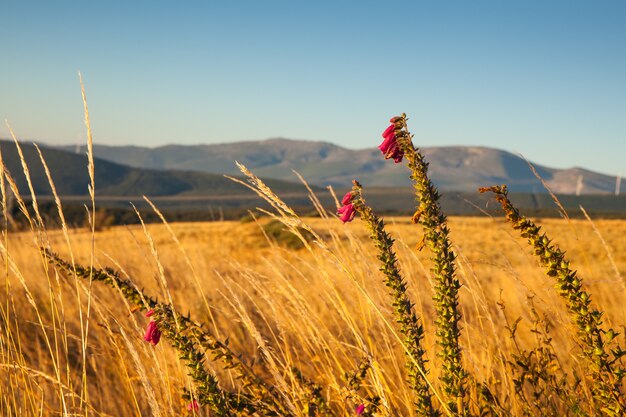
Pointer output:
x,y
458,168
70,176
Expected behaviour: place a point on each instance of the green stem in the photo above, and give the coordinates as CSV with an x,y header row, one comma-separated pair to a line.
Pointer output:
x,y
436,236
605,368
410,325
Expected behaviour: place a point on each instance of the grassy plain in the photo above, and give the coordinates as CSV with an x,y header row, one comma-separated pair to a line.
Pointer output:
x,y
68,348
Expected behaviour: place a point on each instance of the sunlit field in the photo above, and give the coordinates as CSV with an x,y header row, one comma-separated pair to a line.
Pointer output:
x,y
335,315
319,309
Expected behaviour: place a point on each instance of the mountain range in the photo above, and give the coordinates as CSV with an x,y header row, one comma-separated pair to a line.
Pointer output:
x,y
452,168
70,176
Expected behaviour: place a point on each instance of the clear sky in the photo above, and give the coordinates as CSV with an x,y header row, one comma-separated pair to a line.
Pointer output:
x,y
546,79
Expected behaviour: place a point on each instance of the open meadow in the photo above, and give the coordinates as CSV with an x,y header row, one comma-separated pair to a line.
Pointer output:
x,y
300,317
279,315
313,209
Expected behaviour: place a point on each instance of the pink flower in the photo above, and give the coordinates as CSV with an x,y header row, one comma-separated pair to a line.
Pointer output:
x,y
360,409
395,153
390,147
153,334
347,198
193,406
347,213
390,139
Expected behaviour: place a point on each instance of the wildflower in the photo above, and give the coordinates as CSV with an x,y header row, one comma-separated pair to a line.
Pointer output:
x,y
360,409
347,213
390,147
193,406
153,334
347,198
390,140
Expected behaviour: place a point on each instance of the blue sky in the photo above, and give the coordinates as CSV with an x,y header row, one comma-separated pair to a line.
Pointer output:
x,y
546,79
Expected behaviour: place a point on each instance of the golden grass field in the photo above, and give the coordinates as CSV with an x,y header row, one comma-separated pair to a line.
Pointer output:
x,y
67,348
295,327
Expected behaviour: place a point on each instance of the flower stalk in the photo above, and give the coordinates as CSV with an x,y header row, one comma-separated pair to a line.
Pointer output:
x,y
605,368
191,340
436,237
364,406
410,325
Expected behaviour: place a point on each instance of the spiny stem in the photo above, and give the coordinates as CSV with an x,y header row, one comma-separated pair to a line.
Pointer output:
x,y
606,370
354,379
410,325
186,335
436,236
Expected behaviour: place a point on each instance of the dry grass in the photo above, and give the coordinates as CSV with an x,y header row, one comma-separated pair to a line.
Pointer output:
x,y
299,319
320,313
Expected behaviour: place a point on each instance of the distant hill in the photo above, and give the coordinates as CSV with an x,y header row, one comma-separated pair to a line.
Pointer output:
x,y
452,168
202,195
70,176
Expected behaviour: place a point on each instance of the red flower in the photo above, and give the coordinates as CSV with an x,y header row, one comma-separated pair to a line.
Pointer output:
x,y
360,409
347,213
390,147
153,334
193,406
390,139
347,198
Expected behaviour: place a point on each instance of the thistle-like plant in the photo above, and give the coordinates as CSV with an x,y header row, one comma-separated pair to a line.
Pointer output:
x,y
313,401
208,391
398,144
192,341
598,344
364,406
538,377
410,325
